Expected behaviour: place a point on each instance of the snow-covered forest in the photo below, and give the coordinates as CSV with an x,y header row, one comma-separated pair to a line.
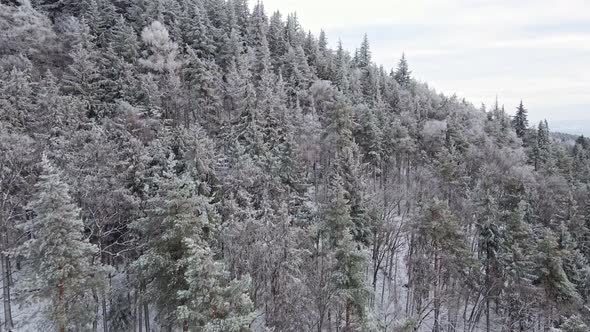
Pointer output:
x,y
202,165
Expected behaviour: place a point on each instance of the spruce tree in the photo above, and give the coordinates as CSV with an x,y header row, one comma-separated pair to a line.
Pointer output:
x,y
16,95
350,259
276,39
325,59
211,301
363,59
516,258
520,121
196,31
542,149
177,230
124,40
202,79
550,274
82,78
63,264
293,33
402,74
341,69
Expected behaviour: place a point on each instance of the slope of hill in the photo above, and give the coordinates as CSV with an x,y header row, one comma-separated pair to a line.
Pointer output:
x,y
196,165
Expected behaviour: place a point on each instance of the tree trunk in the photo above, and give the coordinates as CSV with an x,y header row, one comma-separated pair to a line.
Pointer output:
x,y
146,311
139,301
467,295
376,264
393,281
105,325
5,270
488,289
384,276
95,320
410,288
436,324
348,317
61,291
134,308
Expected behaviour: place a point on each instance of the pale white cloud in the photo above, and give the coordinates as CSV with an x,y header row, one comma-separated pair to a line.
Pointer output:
x,y
537,50
557,41
332,14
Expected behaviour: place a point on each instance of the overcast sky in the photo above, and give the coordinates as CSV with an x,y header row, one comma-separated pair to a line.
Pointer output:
x,y
537,50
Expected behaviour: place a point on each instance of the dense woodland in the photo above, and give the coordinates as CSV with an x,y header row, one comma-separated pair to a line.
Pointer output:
x,y
199,165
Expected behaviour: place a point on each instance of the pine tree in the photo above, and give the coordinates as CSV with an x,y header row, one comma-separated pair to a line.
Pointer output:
x,y
242,16
82,78
276,39
177,228
489,245
16,96
402,74
516,257
312,50
323,41
248,126
558,289
542,149
296,73
211,302
101,16
196,31
325,61
258,26
342,69
124,40
56,114
350,260
369,137
520,121
293,33
363,59
62,264
202,79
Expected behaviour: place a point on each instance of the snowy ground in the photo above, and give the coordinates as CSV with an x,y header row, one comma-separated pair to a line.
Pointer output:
x,y
389,312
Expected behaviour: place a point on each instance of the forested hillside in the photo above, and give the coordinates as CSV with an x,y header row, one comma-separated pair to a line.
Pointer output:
x,y
201,165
